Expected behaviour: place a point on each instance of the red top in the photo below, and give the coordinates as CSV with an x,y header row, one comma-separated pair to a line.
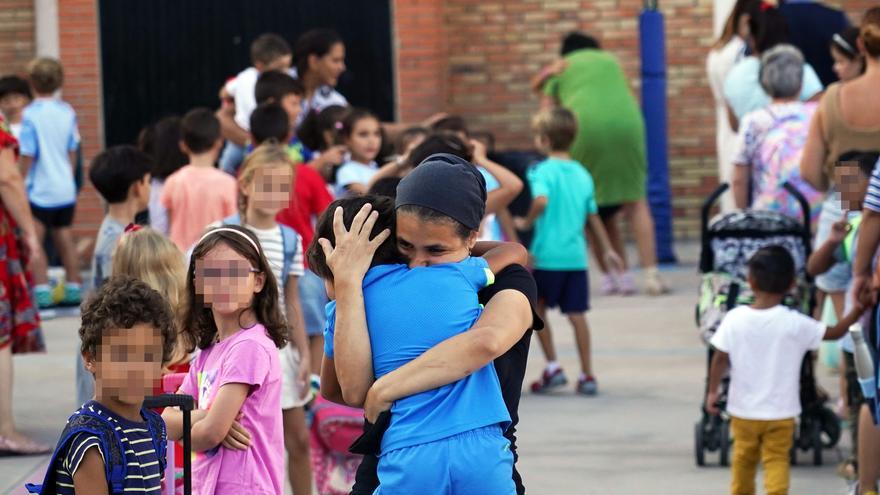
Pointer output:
x,y
308,198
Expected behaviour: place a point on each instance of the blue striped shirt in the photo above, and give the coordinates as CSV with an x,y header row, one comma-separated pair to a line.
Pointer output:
x,y
872,196
143,475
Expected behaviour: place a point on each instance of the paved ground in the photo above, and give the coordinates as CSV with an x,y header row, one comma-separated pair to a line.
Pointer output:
x,y
636,437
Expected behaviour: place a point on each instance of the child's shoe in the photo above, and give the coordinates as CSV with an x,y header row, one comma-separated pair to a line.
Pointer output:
x,y
626,284
72,295
587,386
43,296
549,380
608,285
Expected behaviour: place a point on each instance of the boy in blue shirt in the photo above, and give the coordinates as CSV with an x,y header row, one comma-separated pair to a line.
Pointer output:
x,y
466,417
49,140
563,205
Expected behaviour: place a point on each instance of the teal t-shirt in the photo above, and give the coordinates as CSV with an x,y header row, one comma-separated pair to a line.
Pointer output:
x,y
559,242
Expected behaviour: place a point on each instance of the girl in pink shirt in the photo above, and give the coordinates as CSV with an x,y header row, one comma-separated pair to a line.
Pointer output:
x,y
233,316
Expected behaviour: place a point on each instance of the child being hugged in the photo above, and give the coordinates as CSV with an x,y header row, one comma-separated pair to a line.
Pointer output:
x,y
362,133
232,314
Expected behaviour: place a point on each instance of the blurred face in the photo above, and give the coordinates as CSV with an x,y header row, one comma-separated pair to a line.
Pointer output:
x,y
742,29
330,66
269,191
291,104
12,105
430,243
852,184
365,140
128,363
845,68
227,281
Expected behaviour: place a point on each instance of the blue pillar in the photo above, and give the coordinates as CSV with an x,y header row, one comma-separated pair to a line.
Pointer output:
x,y
653,49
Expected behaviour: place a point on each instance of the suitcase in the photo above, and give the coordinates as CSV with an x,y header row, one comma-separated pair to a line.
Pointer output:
x,y
186,405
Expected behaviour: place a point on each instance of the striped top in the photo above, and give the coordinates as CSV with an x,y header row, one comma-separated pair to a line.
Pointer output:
x,y
144,474
872,196
272,242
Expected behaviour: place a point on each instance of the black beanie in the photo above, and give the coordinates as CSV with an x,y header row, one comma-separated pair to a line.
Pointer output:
x,y
447,184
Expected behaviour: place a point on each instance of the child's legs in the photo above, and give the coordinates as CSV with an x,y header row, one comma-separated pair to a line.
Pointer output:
x,y
838,301
582,337
63,239
40,265
775,447
746,453
545,336
481,463
869,452
316,352
550,289
296,442
575,302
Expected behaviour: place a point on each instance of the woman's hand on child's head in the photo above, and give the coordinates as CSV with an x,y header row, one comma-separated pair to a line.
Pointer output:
x,y
712,404
237,438
352,255
839,230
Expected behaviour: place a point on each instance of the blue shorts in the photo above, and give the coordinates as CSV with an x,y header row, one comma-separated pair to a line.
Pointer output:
x,y
838,277
476,462
313,299
568,289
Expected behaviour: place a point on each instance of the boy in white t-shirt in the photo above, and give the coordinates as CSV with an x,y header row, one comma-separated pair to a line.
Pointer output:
x,y
764,345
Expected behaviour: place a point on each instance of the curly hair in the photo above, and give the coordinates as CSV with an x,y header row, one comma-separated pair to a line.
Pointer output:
x,y
123,302
199,328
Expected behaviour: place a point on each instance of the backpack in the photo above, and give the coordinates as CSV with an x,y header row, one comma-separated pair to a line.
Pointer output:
x,y
333,429
115,464
290,240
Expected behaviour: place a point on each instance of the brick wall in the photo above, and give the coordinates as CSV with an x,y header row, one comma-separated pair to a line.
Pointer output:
x,y
16,35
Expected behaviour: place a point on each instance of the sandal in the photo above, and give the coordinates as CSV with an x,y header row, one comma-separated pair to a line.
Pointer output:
x,y
28,447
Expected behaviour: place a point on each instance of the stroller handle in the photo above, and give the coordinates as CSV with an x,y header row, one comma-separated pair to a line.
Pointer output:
x,y
723,187
707,207
184,402
804,204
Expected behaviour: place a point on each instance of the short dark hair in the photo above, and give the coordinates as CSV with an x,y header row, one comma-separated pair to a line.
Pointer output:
x,y
387,252
315,124
275,85
451,123
558,125
577,40
772,270
123,302
115,169
268,48
867,160
270,121
15,85
162,143
440,142
767,26
409,135
385,187
200,130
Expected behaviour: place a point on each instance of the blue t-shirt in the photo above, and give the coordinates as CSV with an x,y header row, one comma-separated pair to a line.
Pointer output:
x,y
743,91
410,311
48,134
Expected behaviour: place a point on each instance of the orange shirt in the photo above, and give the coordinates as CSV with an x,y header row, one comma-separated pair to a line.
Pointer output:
x,y
195,198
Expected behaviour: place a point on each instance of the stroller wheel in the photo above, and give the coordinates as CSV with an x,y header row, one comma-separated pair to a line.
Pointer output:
x,y
699,449
724,444
816,438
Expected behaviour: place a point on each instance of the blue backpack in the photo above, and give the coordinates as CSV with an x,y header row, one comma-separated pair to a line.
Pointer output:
x,y
290,240
115,464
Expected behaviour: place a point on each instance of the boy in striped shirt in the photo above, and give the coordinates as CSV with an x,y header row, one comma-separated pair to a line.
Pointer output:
x,y
127,333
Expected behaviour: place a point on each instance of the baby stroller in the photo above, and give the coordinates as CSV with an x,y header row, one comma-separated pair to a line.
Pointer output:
x,y
727,243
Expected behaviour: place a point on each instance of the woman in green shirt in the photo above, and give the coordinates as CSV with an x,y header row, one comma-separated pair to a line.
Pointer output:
x,y
610,143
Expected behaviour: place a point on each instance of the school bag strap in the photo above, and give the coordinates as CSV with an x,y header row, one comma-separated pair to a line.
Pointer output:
x,y
110,440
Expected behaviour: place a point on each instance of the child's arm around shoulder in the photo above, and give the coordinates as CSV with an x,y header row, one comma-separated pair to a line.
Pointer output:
x,y
500,255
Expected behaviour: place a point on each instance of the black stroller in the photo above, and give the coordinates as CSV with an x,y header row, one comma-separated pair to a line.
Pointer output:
x,y
727,242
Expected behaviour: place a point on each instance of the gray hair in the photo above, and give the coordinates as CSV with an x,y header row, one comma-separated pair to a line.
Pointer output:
x,y
782,71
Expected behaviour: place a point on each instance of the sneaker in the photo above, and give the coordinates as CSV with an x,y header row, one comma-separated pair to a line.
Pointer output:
x,y
587,386
608,285
654,285
43,295
72,295
549,381
626,284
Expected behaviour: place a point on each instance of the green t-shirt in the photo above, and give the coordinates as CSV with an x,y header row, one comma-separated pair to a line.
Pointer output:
x,y
559,242
611,131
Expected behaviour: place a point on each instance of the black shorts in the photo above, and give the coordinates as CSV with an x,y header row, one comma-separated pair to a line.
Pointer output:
x,y
608,211
54,218
568,289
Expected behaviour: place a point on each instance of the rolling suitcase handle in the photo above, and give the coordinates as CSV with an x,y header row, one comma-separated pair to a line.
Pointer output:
x,y
186,404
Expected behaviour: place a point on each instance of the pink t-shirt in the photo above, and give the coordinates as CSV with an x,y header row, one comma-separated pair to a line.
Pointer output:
x,y
248,357
196,197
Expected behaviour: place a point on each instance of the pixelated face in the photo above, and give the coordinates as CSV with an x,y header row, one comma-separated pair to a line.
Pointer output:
x,y
12,104
331,65
430,243
845,68
852,184
291,103
226,280
365,140
128,363
269,190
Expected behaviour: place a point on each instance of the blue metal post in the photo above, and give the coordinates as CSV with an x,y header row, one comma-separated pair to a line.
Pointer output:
x,y
653,49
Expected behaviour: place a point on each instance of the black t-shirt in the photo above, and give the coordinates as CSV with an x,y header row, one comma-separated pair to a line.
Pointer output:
x,y
811,26
511,369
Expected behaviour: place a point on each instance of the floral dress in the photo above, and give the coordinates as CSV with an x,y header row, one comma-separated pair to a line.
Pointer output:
x,y
19,318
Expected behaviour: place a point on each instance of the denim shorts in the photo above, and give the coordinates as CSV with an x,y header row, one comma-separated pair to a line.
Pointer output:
x,y
836,279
